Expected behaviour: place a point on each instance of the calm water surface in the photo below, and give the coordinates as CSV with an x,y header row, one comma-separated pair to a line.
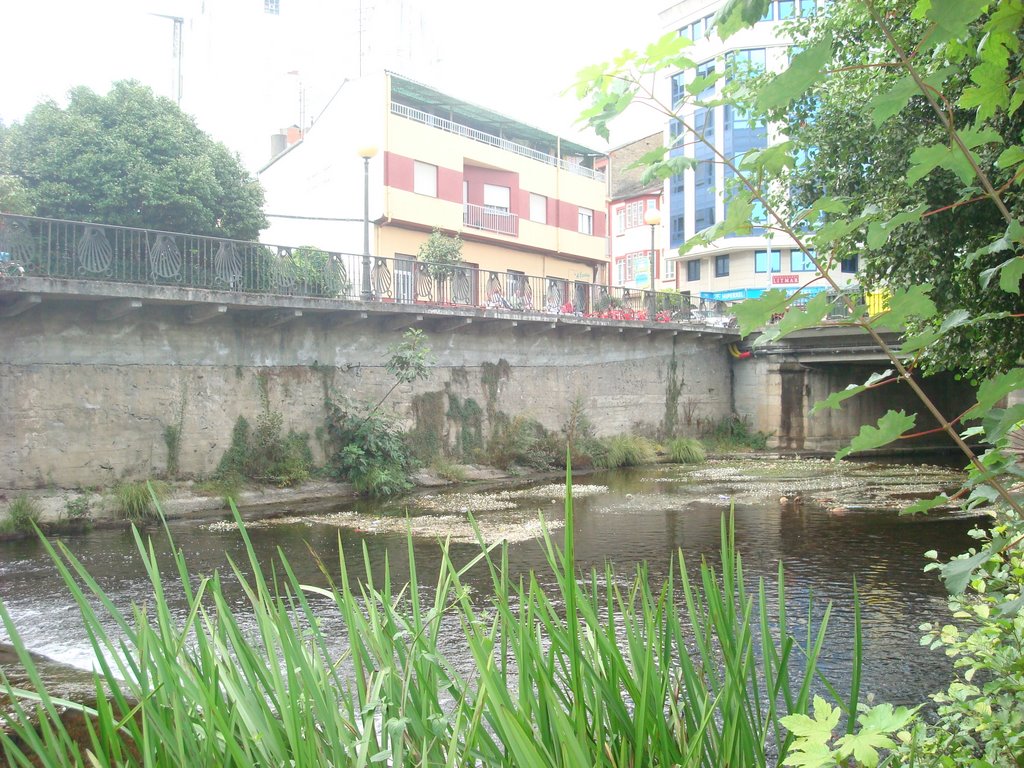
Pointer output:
x,y
845,527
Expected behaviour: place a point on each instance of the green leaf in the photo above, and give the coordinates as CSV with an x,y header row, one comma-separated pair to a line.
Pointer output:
x,y
918,341
955,319
999,421
1011,275
886,719
817,728
904,304
889,428
798,318
754,314
864,746
1010,157
1014,234
885,105
835,400
952,18
925,505
879,231
771,160
991,391
739,14
924,160
990,92
803,72
957,573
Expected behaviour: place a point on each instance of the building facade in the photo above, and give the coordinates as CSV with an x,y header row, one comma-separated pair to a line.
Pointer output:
x,y
525,203
631,240
735,267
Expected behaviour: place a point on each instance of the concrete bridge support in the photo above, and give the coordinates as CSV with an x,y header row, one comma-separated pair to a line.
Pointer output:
x,y
778,391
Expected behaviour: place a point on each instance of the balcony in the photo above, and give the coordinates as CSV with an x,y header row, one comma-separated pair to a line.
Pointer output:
x,y
569,165
490,219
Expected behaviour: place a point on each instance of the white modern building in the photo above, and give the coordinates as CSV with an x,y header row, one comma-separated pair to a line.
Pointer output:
x,y
743,266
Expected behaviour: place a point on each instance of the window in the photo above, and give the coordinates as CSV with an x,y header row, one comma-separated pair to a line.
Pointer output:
x,y
620,271
746,60
272,7
787,9
538,208
704,194
670,269
800,262
808,7
424,179
586,221
678,88
496,199
703,75
634,214
620,220
693,270
850,264
766,260
722,265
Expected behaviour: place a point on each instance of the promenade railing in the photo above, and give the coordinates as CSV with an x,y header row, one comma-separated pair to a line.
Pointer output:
x,y
55,248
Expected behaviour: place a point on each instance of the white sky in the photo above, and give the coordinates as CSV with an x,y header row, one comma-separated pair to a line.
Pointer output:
x,y
515,58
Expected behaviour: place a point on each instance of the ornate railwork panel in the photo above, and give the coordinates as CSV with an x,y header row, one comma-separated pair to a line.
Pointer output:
x,y
227,266
380,279
94,252
164,259
16,240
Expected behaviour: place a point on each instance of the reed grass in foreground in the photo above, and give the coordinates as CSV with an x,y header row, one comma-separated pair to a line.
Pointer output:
x,y
697,672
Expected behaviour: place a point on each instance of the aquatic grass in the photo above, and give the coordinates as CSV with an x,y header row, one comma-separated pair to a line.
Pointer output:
x,y
686,450
139,501
694,672
624,451
22,515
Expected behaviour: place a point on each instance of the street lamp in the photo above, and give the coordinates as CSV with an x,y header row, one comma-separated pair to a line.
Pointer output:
x,y
366,153
652,216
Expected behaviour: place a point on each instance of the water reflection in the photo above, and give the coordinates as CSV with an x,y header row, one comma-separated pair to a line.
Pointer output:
x,y
645,515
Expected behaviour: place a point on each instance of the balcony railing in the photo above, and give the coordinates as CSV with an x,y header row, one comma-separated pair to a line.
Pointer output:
x,y
495,141
38,247
483,217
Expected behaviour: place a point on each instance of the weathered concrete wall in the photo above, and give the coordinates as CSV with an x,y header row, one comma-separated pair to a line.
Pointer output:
x,y
85,401
777,394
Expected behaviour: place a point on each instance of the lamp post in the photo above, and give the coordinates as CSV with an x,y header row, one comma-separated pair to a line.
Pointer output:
x,y
652,216
366,153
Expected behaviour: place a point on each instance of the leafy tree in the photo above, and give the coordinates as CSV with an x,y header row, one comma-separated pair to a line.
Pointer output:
x,y
133,159
955,63
866,156
441,254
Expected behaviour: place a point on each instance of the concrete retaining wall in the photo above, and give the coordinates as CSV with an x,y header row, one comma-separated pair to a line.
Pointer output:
x,y
86,402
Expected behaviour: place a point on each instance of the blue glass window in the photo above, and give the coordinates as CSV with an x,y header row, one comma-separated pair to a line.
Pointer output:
x,y
768,260
800,262
693,270
850,264
787,9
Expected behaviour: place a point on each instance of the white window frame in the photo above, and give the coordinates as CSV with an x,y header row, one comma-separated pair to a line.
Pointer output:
x,y
585,221
424,181
497,198
538,208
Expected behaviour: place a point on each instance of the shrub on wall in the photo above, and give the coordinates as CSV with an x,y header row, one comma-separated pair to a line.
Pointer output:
x,y
264,455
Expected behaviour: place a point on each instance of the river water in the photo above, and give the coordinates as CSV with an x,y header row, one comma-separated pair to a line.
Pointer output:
x,y
827,523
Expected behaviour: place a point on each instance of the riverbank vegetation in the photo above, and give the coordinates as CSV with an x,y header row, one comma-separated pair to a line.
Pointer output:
x,y
616,679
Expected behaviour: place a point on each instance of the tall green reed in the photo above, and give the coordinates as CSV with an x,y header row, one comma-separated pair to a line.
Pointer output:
x,y
696,672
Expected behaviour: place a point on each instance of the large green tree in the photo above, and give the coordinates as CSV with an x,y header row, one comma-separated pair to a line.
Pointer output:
x,y
134,159
866,155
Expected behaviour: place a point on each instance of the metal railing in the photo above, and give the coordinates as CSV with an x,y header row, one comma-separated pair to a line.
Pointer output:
x,y
572,166
38,247
85,251
489,219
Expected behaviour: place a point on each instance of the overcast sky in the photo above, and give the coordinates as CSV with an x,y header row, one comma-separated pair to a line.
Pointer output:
x,y
515,59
